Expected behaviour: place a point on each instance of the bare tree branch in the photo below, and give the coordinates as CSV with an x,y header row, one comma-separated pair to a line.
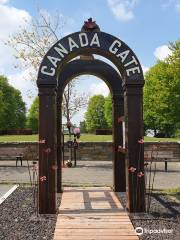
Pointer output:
x,y
31,44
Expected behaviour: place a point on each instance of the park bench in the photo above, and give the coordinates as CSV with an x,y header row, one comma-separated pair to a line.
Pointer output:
x,y
166,156
17,154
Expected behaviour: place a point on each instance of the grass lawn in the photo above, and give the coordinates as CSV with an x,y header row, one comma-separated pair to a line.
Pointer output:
x,y
84,138
173,194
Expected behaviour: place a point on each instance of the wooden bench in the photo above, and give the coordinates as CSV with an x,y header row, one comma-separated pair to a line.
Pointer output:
x,y
17,154
12,158
163,156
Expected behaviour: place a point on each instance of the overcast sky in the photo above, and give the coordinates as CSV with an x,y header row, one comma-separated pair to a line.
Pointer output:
x,y
145,26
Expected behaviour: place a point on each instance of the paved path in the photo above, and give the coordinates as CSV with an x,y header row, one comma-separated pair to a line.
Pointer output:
x,y
4,188
93,173
92,214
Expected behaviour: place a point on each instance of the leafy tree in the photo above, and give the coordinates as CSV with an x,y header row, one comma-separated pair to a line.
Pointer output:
x,y
94,116
108,110
83,127
161,94
12,107
33,116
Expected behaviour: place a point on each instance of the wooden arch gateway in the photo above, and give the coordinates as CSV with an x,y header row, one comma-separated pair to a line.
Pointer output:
x,y
111,77
55,70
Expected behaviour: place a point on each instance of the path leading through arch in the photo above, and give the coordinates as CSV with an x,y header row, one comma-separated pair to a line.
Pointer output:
x,y
92,213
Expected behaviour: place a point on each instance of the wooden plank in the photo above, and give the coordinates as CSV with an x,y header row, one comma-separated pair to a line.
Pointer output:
x,y
92,225
94,219
93,215
96,238
94,232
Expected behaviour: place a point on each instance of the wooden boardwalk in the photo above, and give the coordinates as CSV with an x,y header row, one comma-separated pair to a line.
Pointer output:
x,y
92,214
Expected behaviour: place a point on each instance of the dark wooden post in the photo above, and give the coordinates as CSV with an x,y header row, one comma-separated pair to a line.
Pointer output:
x,y
47,150
59,144
119,157
133,97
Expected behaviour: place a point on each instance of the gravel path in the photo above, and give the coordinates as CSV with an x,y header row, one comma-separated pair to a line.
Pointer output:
x,y
164,216
18,220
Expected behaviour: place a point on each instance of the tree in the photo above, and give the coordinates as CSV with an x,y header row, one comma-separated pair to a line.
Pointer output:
x,y
94,116
12,110
83,127
161,94
33,116
32,43
73,101
108,110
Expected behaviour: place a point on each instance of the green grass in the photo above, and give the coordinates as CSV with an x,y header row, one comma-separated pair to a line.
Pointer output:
x,y
18,138
172,191
153,139
95,138
173,194
84,138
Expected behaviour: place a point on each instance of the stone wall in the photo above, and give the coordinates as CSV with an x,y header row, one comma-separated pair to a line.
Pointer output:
x,y
88,151
92,151
29,150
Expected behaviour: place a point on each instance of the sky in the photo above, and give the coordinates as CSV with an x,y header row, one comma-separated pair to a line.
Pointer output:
x,y
145,26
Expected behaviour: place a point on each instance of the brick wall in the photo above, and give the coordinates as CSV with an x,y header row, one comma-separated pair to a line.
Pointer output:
x,y
95,151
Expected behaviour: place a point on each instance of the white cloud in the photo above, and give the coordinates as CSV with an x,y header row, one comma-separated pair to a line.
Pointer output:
x,y
122,9
11,19
99,88
165,4
77,118
177,6
4,1
168,3
162,52
22,82
144,68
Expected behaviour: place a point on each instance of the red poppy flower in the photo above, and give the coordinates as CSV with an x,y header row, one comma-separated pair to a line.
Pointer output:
x,y
132,169
42,178
140,174
141,141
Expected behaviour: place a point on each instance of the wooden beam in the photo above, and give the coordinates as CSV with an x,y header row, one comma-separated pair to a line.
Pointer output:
x,y
47,151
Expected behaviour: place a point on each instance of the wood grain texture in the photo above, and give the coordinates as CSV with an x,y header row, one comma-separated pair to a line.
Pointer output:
x,y
92,213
